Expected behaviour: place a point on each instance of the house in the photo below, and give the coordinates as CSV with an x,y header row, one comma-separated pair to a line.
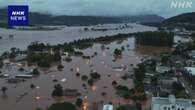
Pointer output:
x,y
20,57
171,103
166,84
190,62
189,74
108,107
191,54
162,69
190,71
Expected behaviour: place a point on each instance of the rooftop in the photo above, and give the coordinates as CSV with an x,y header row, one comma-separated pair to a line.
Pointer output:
x,y
108,107
172,100
191,70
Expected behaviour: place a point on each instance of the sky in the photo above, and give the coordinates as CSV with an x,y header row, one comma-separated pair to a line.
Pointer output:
x,y
103,7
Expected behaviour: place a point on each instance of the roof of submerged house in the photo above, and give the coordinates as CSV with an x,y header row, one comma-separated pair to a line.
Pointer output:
x,y
191,70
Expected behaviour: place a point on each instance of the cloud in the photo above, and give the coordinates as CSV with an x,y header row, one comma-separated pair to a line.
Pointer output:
x,y
103,7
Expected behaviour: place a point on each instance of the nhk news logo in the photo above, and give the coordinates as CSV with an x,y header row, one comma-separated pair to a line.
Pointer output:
x,y
181,4
18,15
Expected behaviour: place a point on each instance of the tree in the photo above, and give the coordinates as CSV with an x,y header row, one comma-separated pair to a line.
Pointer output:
x,y
164,59
4,89
35,71
117,52
157,38
57,56
39,109
58,91
193,36
95,75
178,90
21,69
84,77
154,81
114,83
62,106
90,82
1,63
123,91
79,102
139,73
32,86
121,108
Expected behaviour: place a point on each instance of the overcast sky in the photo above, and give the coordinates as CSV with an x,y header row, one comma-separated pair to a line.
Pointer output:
x,y
103,7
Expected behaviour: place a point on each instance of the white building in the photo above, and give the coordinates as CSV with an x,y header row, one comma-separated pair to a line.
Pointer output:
x,y
108,107
162,69
171,103
190,70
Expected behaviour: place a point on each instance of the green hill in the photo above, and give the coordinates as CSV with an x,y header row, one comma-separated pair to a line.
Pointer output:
x,y
48,19
186,20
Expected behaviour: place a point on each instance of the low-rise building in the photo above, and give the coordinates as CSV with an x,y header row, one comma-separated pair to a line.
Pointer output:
x,y
166,84
108,107
191,54
190,71
162,69
189,74
171,103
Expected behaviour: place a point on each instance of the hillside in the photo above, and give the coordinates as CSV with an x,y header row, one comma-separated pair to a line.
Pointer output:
x,y
186,20
47,19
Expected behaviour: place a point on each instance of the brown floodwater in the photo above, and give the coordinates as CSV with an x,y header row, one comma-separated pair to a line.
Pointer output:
x,y
102,63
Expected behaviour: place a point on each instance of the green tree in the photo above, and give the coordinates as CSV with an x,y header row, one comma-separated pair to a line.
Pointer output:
x,y
117,52
79,102
62,106
35,72
139,73
1,63
58,91
84,77
4,90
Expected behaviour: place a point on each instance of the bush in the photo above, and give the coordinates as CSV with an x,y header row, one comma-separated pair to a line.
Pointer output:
x,y
95,75
35,71
21,69
90,82
1,63
79,102
117,52
84,77
62,106
44,63
58,91
123,91
114,83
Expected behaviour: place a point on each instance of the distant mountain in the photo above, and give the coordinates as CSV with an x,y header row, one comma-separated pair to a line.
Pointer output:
x,y
47,19
186,20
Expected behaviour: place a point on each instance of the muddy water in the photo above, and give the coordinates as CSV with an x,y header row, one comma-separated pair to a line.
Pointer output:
x,y
102,63
23,38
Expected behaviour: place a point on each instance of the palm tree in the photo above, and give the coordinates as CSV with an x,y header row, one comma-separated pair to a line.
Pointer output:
x,y
4,89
